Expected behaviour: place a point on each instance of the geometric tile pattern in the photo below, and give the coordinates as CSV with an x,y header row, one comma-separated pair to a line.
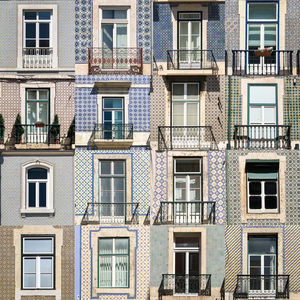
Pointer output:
x,y
134,79
140,174
83,30
217,184
142,258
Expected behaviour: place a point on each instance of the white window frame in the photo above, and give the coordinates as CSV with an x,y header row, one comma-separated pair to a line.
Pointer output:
x,y
38,256
25,209
113,263
53,31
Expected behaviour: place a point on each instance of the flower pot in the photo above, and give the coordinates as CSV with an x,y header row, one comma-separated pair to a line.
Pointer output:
x,y
263,52
39,124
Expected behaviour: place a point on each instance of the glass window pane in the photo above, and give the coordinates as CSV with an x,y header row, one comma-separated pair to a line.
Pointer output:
x,y
178,114
119,184
119,197
183,28
105,271
271,187
187,166
31,113
107,14
120,14
255,202
262,244
113,103
30,30
121,38
38,245
192,114
185,242
46,265
43,94
44,15
121,268
30,43
29,280
271,202
262,94
44,30
269,115
31,94
119,167
187,16
105,246
262,11
107,36
270,35
105,167
29,265
32,195
44,43
255,188
37,173
178,91
30,15
255,115
192,91
121,246
180,188
195,28
254,36
43,112
46,280
43,194
105,184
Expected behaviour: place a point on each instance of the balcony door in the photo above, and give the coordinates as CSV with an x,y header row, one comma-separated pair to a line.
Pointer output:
x,y
37,115
113,118
114,36
262,119
189,40
262,33
262,260
187,265
185,115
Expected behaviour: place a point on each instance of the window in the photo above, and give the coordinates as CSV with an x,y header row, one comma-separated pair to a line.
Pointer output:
x,y
112,187
262,257
38,262
113,262
262,186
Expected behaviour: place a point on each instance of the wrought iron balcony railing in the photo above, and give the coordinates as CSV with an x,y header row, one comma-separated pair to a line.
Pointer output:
x,y
38,133
37,58
182,212
262,286
173,284
2,130
186,138
107,213
116,60
262,136
191,60
257,62
113,132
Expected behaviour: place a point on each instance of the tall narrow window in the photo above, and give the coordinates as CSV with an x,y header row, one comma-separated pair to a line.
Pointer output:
x,y
113,262
38,262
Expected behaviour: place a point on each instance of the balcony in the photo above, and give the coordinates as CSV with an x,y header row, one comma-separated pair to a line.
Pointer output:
x,y
262,137
259,62
185,285
262,287
111,213
37,58
38,133
113,136
186,213
115,61
186,138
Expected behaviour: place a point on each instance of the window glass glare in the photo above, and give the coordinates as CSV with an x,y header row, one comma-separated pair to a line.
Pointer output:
x,y
37,173
262,11
262,94
37,245
30,15
187,166
44,15
105,246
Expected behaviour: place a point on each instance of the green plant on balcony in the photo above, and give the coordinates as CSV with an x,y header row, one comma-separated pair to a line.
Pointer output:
x,y
19,130
71,131
1,129
55,130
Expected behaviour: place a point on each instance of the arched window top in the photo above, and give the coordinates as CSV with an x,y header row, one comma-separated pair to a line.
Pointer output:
x,y
37,173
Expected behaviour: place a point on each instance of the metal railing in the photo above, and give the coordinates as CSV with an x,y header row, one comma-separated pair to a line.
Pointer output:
x,y
222,290
191,60
267,286
107,213
186,137
116,60
256,62
262,136
182,212
37,58
173,284
2,130
298,62
113,132
36,134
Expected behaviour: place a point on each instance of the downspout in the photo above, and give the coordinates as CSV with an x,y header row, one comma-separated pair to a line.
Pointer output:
x,y
229,113
227,187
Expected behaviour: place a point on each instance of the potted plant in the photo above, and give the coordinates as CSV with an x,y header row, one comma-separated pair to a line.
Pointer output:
x,y
1,129
39,124
55,130
71,132
263,51
19,130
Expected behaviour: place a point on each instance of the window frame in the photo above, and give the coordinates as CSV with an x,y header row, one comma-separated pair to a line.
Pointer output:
x,y
38,257
113,255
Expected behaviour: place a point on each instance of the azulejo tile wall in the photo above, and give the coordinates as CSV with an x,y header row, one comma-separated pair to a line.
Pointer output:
x,y
142,258
140,173
217,183
83,29
139,101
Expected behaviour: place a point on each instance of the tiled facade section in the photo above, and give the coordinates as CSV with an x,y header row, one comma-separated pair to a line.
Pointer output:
x,y
142,258
216,29
291,187
86,106
158,101
140,174
163,31
215,106
217,184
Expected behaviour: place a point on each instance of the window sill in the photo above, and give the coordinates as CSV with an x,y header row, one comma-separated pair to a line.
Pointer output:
x,y
37,211
27,293
113,290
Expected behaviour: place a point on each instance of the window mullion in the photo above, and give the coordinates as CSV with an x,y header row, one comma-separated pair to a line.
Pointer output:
x,y
37,196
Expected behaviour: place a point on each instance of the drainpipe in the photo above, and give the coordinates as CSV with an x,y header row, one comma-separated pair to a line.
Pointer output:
x,y
229,113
